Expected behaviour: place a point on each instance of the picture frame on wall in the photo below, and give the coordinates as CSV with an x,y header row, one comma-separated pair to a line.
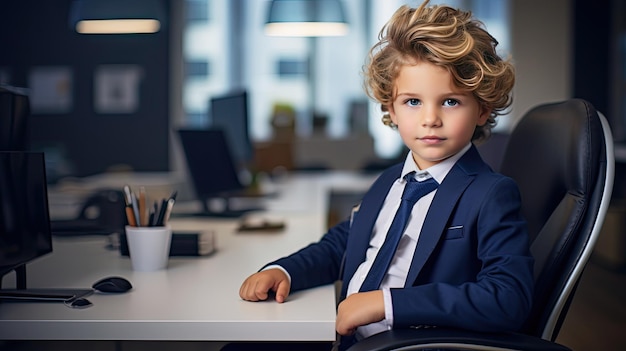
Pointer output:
x,y
117,89
50,89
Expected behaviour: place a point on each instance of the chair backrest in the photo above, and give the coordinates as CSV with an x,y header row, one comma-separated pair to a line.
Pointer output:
x,y
561,155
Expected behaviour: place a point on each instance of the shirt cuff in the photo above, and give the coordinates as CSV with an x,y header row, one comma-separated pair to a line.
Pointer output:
x,y
388,308
272,266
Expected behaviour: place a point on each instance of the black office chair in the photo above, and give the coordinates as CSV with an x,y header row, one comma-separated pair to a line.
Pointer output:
x,y
561,155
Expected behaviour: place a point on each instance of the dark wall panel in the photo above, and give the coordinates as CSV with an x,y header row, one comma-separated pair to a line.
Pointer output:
x,y
592,40
36,33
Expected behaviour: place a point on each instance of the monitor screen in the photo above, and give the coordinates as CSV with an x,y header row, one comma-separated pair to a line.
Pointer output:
x,y
24,219
14,114
229,112
209,162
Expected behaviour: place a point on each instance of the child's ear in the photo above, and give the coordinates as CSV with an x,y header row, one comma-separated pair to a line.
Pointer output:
x,y
484,116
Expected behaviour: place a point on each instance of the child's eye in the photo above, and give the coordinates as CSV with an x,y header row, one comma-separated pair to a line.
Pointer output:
x,y
450,102
412,102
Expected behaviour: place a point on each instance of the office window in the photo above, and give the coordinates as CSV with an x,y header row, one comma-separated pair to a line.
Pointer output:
x,y
273,69
197,10
292,68
330,68
320,74
199,69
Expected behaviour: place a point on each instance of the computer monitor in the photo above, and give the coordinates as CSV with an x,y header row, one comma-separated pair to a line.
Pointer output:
x,y
25,233
229,112
14,114
212,170
24,220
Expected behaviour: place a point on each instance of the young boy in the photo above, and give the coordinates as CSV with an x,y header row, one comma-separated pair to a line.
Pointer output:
x,y
463,259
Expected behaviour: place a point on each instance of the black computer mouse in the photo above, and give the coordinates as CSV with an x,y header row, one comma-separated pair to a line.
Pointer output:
x,y
112,285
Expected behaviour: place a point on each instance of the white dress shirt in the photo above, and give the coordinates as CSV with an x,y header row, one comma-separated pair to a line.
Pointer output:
x,y
401,262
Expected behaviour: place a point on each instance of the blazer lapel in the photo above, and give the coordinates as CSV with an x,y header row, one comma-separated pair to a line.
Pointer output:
x,y
361,228
448,194
446,197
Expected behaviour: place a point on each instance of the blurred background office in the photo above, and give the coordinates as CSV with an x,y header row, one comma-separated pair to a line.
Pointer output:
x,y
101,101
111,102
114,102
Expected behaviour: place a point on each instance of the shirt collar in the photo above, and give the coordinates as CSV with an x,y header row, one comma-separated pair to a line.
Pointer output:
x,y
438,171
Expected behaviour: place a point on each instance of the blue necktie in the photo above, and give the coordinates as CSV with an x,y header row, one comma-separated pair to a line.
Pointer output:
x,y
413,191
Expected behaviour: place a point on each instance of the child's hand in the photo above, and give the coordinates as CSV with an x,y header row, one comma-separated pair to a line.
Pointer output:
x,y
359,309
257,286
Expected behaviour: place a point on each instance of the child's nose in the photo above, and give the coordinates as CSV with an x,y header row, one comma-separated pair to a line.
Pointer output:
x,y
429,116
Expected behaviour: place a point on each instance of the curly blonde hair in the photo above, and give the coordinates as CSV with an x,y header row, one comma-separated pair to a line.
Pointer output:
x,y
449,38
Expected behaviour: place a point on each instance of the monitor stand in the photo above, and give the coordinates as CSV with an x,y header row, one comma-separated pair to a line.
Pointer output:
x,y
22,294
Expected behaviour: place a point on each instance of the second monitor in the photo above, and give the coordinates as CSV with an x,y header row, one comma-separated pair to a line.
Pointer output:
x,y
229,112
212,170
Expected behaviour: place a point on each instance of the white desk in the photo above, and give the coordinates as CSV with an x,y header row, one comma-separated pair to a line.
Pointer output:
x,y
195,298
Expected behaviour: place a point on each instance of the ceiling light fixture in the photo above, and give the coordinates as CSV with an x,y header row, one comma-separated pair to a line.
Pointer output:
x,y
117,16
306,18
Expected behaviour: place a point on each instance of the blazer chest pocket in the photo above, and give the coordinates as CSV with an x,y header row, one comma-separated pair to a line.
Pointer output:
x,y
454,232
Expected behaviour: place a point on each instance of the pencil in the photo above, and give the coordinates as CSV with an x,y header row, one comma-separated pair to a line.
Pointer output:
x,y
130,216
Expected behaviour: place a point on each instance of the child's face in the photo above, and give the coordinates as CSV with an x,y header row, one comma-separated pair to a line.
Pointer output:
x,y
434,118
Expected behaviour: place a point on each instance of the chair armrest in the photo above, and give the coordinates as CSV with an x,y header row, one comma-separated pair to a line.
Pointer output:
x,y
445,338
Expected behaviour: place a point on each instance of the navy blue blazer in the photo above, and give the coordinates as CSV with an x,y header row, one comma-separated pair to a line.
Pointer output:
x,y
471,268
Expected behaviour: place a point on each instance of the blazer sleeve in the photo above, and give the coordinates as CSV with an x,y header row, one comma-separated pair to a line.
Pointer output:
x,y
498,296
318,263
322,262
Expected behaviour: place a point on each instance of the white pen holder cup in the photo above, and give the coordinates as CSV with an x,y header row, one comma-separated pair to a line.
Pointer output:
x,y
149,247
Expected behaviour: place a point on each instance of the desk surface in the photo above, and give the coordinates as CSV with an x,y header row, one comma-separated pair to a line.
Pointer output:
x,y
196,298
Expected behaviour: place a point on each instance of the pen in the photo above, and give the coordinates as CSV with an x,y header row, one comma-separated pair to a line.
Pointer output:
x,y
168,210
127,196
151,218
143,212
154,214
139,214
161,215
